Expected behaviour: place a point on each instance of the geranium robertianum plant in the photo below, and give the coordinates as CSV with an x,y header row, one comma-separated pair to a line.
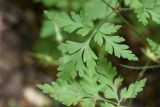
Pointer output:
x,y
85,77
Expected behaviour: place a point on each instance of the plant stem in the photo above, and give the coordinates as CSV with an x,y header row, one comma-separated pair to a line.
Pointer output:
x,y
125,9
109,101
108,4
139,77
89,39
140,67
136,32
144,70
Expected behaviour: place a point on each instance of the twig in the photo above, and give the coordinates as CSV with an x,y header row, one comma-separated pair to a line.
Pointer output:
x,y
108,4
140,67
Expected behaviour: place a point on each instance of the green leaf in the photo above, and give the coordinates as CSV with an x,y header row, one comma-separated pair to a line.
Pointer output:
x,y
63,92
108,28
73,64
98,38
133,3
88,102
104,67
70,47
144,11
79,56
155,14
81,78
95,9
142,16
109,92
107,105
113,43
108,74
79,23
132,90
120,50
89,57
89,83
154,47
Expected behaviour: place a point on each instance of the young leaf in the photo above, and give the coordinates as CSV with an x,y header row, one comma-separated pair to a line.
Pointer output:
x,y
144,11
142,16
155,48
132,90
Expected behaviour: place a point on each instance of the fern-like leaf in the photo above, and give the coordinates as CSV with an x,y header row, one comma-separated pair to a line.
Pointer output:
x,y
79,56
154,47
113,43
132,90
63,92
79,23
145,10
